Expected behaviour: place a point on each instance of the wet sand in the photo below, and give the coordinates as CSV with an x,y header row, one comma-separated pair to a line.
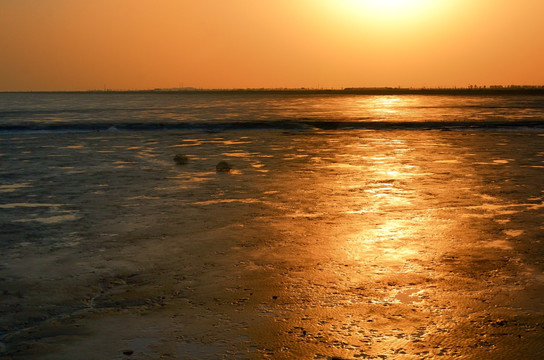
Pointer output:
x,y
321,245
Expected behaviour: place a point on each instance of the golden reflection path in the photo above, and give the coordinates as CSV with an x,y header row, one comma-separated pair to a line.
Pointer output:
x,y
387,245
378,108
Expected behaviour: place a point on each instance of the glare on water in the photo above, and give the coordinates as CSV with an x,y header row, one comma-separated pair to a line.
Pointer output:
x,y
343,243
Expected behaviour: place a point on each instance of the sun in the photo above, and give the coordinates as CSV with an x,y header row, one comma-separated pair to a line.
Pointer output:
x,y
389,14
389,7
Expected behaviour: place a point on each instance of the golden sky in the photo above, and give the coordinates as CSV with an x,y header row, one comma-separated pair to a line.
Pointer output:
x,y
141,44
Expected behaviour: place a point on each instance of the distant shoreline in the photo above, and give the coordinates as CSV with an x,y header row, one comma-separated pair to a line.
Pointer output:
x,y
483,91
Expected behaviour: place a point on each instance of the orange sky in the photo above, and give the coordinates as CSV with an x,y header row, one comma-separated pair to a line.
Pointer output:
x,y
141,44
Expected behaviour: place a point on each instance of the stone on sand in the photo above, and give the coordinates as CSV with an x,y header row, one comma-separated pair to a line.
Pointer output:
x,y
180,159
223,166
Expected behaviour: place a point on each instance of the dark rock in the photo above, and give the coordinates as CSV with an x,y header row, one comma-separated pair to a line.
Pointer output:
x,y
223,166
128,352
180,159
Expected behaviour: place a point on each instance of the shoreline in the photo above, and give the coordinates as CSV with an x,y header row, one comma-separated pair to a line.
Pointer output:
x,y
195,264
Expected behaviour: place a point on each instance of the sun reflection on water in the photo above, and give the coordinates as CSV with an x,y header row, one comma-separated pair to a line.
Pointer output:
x,y
388,105
386,235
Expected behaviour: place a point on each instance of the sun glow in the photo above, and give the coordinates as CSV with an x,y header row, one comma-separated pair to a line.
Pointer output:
x,y
391,5
389,12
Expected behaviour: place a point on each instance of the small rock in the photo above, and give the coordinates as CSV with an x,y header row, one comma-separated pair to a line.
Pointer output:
x,y
128,352
274,297
223,166
180,159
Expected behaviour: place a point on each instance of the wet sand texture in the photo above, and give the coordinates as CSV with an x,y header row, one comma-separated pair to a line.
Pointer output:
x,y
322,245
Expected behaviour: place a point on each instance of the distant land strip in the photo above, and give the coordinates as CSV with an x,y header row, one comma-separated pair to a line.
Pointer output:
x,y
470,91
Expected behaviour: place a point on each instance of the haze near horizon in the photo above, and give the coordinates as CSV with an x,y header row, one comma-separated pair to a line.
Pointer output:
x,y
122,44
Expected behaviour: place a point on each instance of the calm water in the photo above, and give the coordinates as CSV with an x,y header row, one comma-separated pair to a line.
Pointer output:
x,y
73,112
403,227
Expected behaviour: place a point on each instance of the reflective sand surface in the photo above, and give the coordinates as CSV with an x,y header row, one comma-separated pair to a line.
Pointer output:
x,y
321,245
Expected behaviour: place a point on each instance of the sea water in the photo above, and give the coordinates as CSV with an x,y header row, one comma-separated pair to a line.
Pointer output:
x,y
76,112
65,153
91,200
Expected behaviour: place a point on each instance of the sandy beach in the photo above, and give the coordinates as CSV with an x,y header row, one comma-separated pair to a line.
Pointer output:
x,y
319,245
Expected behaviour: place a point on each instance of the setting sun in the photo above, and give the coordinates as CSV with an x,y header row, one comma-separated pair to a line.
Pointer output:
x,y
390,6
393,12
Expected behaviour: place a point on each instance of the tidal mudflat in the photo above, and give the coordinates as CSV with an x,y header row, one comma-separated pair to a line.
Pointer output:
x,y
319,244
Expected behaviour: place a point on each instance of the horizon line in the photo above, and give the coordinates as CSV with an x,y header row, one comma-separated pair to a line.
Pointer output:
x,y
369,90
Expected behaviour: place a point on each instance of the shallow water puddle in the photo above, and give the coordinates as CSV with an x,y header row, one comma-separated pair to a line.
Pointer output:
x,y
408,296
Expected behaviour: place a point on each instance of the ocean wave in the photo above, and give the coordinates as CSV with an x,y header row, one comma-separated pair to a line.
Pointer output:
x,y
299,124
